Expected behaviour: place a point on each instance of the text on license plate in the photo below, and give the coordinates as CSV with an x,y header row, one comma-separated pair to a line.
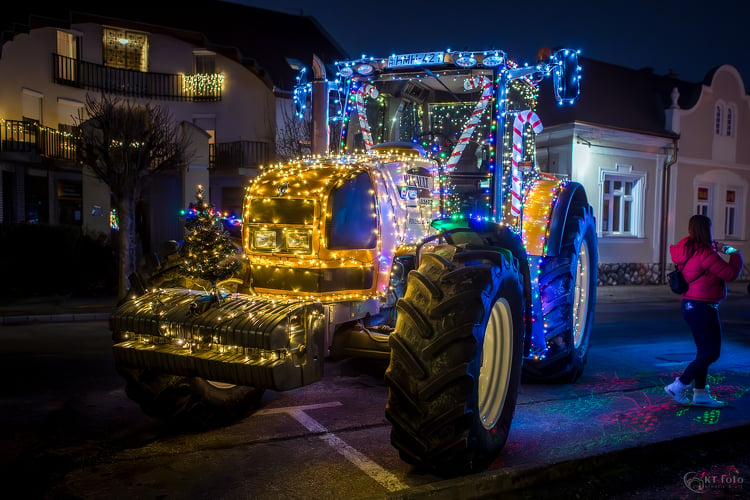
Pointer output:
x,y
402,60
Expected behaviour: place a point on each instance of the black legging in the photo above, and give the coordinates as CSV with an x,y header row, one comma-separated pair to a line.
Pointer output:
x,y
703,319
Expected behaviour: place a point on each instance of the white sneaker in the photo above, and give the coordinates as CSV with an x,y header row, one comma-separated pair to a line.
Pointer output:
x,y
702,397
678,391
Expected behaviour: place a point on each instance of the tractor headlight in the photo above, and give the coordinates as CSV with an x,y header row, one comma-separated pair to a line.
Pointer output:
x,y
264,238
297,239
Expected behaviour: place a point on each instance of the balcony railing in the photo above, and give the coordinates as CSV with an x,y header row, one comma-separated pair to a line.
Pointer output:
x,y
81,74
30,137
18,136
239,154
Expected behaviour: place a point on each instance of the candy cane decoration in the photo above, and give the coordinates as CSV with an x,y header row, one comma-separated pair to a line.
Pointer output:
x,y
473,121
359,100
519,124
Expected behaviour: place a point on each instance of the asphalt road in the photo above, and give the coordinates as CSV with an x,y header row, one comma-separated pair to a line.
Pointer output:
x,y
70,431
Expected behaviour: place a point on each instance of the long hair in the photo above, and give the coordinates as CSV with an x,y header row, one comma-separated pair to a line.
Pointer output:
x,y
699,234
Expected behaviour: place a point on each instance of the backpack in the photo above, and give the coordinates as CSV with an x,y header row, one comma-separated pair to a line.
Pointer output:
x,y
677,282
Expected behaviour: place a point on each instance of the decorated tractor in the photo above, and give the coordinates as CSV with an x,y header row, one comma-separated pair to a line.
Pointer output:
x,y
429,239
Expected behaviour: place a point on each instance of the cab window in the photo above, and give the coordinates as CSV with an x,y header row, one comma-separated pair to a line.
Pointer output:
x,y
352,221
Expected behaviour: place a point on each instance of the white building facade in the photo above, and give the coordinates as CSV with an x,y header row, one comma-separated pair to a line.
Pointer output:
x,y
224,100
652,151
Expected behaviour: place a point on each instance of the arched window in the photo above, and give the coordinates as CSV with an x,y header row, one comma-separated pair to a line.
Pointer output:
x,y
730,122
719,119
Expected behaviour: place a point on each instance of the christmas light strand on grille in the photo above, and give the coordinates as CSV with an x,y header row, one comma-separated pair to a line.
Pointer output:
x,y
473,83
359,100
524,117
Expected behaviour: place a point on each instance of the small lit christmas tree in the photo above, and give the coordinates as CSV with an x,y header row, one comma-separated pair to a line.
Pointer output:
x,y
208,253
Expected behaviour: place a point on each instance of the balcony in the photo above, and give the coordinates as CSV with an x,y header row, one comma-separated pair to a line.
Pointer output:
x,y
35,140
239,154
85,75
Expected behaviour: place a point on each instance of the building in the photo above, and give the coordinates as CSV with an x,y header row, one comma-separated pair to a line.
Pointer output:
x,y
651,151
224,71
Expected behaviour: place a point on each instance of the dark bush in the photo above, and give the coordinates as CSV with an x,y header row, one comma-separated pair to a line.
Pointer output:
x,y
42,260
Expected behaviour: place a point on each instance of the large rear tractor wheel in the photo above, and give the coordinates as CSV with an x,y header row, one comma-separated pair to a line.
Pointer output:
x,y
456,356
567,287
190,403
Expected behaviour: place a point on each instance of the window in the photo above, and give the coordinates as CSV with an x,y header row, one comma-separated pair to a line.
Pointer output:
x,y
68,112
729,213
36,209
125,49
69,207
703,201
621,204
725,117
31,105
730,122
718,119
204,62
734,219
351,222
67,46
722,195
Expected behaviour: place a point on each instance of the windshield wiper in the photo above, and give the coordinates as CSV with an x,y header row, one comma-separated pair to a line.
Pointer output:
x,y
427,70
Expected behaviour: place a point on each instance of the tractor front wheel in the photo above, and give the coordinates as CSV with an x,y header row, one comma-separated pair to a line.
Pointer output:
x,y
456,355
189,402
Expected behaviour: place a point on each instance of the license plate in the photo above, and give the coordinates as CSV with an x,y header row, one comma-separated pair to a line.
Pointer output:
x,y
418,59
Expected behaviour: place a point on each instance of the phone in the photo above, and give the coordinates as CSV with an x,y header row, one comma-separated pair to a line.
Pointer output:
x,y
729,250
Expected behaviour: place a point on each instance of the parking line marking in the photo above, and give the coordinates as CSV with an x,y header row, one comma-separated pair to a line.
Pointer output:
x,y
290,409
375,471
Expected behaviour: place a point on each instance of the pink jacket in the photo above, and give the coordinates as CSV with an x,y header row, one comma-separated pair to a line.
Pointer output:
x,y
706,271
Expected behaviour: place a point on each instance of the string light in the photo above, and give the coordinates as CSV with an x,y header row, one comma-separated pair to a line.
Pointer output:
x,y
399,176
203,84
207,252
287,208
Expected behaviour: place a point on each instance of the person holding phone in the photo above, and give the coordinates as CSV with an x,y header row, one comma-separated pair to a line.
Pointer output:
x,y
706,271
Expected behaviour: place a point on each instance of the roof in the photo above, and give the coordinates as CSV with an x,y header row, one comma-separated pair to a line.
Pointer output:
x,y
262,40
618,97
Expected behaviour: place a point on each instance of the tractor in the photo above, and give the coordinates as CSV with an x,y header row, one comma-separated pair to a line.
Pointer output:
x,y
422,233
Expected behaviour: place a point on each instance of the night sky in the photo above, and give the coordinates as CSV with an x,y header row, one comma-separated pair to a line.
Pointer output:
x,y
689,37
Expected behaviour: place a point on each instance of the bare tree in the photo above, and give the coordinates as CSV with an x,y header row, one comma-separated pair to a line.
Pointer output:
x,y
124,144
293,135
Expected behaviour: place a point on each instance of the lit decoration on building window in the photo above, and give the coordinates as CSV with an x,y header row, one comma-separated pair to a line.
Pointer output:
x,y
203,85
125,49
114,220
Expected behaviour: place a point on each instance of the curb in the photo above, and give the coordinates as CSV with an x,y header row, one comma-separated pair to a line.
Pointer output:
x,y
568,477
53,318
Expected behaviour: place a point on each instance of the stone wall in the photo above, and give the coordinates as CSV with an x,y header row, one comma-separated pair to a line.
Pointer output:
x,y
629,274
639,274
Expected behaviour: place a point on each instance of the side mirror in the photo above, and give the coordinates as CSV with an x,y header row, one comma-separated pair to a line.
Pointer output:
x,y
566,75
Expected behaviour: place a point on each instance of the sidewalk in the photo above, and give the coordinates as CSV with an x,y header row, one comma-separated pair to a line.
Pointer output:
x,y
56,309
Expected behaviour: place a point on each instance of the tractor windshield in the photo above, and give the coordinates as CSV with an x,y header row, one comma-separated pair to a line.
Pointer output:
x,y
448,113
445,111
447,103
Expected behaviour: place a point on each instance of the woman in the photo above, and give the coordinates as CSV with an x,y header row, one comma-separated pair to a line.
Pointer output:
x,y
697,256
